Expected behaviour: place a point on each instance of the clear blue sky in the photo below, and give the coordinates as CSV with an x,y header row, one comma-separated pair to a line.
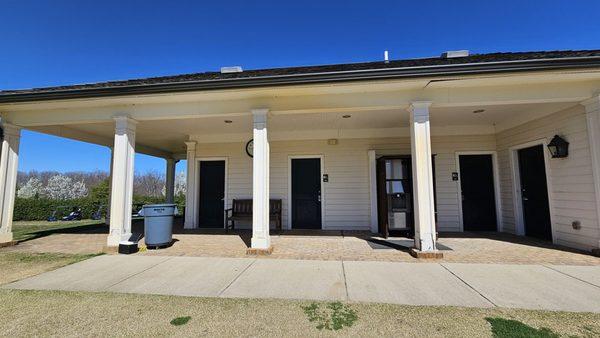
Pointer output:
x,y
46,43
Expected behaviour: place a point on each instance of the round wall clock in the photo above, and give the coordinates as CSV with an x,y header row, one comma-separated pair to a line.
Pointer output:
x,y
250,148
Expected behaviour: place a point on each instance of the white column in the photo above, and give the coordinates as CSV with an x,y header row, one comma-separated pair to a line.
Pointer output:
x,y
260,182
373,190
592,108
422,177
9,159
170,180
190,187
112,157
122,180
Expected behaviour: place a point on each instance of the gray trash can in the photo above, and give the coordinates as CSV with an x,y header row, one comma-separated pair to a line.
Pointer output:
x,y
158,224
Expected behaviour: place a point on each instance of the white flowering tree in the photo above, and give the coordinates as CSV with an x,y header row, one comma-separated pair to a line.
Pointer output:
x,y
79,190
61,187
32,188
180,184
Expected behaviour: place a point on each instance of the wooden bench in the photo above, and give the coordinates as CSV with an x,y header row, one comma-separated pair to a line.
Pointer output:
x,y
241,209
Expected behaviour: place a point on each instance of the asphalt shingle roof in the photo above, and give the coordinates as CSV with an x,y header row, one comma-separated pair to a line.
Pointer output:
x,y
323,69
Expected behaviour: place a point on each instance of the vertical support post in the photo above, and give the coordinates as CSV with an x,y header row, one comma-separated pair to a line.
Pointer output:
x,y
122,180
373,190
110,175
9,158
422,175
190,189
170,180
261,241
592,108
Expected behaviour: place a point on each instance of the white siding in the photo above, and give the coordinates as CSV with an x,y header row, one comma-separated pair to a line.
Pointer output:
x,y
346,196
448,198
572,186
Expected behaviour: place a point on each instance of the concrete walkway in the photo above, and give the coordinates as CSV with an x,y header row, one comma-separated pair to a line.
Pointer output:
x,y
548,287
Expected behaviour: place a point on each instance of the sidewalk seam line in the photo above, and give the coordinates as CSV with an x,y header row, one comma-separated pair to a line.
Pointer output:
x,y
345,280
236,278
467,284
568,275
137,273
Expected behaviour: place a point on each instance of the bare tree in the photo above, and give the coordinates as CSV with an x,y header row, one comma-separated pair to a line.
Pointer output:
x,y
149,184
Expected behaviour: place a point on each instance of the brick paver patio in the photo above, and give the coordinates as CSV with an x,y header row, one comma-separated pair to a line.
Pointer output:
x,y
327,245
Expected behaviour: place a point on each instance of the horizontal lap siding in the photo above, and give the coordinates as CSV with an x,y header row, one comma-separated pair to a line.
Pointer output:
x,y
448,198
572,184
346,196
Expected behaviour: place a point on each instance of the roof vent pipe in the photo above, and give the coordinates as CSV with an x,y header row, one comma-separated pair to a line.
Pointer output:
x,y
386,57
455,54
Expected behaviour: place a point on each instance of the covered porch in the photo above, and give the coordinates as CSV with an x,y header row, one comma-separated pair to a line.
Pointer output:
x,y
317,148
321,245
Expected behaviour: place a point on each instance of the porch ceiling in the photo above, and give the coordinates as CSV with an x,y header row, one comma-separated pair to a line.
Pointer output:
x,y
166,137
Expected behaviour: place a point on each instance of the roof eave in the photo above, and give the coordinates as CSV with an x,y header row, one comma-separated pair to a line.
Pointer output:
x,y
310,78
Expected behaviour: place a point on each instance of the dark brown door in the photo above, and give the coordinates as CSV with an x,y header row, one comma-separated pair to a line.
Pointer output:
x,y
382,216
306,193
395,199
212,194
534,192
395,214
478,195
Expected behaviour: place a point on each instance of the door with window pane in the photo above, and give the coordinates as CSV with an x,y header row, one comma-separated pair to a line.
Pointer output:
x,y
395,196
395,211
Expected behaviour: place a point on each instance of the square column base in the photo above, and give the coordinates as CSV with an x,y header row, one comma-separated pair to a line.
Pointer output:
x,y
416,253
114,239
6,239
259,252
261,243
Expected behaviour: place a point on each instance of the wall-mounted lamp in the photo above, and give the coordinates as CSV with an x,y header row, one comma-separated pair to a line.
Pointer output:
x,y
559,148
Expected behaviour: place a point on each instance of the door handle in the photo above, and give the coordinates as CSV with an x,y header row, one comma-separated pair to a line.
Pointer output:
x,y
523,197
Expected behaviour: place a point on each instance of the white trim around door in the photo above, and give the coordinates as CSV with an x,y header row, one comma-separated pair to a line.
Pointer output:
x,y
372,154
495,170
289,194
197,186
516,179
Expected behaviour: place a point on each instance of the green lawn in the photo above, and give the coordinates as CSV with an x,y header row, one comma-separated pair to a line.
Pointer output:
x,y
25,230
52,313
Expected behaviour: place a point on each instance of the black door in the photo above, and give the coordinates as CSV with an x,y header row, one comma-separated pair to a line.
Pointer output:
x,y
212,194
306,193
534,192
478,195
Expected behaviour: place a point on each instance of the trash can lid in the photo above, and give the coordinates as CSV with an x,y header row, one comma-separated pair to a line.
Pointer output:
x,y
154,210
164,205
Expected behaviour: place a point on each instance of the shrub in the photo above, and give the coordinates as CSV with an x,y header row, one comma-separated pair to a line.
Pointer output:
x,y
39,209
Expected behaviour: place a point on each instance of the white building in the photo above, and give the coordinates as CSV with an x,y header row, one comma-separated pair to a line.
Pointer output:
x,y
454,142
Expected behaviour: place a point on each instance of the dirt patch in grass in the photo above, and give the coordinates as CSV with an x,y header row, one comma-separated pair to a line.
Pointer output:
x,y
19,265
26,313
